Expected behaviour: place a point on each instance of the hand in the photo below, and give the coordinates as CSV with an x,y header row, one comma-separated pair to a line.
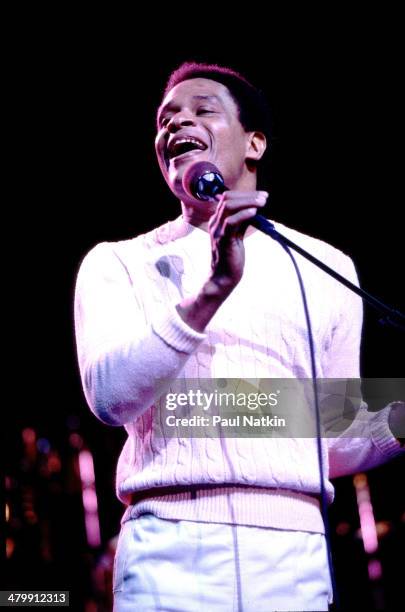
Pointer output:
x,y
227,228
396,421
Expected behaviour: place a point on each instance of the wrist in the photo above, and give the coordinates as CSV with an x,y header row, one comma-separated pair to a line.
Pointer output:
x,y
218,288
198,311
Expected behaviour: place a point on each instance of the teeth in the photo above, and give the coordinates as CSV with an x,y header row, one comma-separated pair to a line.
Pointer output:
x,y
182,140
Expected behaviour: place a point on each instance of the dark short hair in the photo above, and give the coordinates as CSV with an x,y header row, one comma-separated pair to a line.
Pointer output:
x,y
254,112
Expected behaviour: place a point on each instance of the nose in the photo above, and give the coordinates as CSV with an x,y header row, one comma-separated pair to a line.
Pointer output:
x,y
181,119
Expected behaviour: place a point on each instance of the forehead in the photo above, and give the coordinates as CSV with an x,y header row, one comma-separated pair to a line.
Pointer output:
x,y
199,89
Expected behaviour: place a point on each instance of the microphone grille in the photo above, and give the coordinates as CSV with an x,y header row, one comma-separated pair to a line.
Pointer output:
x,y
203,181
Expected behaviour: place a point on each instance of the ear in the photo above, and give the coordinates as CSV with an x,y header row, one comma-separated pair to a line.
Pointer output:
x,y
256,145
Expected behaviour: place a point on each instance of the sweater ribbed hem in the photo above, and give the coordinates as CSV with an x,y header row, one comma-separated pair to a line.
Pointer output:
x,y
176,333
254,506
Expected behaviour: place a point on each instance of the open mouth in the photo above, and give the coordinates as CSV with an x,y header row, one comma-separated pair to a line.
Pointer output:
x,y
181,146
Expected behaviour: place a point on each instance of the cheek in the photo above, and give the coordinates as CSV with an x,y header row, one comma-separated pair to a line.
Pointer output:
x,y
231,153
160,159
231,144
159,146
173,176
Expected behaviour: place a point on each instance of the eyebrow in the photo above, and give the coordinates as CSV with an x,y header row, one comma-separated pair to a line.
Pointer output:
x,y
171,105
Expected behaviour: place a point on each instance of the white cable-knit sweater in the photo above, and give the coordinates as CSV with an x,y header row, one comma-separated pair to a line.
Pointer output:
x,y
129,336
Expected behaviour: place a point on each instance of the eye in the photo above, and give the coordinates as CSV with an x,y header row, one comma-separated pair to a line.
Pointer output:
x,y
205,111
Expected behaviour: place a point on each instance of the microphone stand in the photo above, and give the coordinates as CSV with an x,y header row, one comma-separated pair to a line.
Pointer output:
x,y
392,317
204,181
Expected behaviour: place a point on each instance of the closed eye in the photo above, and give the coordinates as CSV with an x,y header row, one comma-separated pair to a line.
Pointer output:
x,y
204,111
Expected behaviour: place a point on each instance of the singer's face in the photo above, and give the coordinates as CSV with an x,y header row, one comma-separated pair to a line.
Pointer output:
x,y
197,121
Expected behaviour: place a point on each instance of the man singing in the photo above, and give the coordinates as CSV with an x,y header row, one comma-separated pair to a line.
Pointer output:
x,y
218,523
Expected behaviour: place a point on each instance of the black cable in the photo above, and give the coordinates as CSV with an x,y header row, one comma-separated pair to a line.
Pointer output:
x,y
324,503
323,498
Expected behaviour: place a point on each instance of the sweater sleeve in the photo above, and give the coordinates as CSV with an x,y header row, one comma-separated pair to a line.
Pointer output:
x,y
368,441
124,361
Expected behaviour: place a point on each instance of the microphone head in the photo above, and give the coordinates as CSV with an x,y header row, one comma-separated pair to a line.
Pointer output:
x,y
203,181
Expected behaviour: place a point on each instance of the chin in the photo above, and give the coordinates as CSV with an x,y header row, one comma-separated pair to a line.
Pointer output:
x,y
174,172
177,167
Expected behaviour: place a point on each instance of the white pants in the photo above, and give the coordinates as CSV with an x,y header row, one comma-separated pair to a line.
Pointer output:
x,y
185,566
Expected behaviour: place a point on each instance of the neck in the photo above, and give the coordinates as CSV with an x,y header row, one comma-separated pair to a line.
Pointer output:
x,y
198,216
200,219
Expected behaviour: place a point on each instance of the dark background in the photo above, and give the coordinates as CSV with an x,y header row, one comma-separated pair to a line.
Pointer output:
x,y
83,105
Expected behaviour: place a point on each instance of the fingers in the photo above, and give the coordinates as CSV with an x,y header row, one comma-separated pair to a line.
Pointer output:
x,y
230,195
233,222
235,208
234,200
227,227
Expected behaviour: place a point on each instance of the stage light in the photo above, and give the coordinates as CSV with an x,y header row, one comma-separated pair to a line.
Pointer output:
x,y
89,497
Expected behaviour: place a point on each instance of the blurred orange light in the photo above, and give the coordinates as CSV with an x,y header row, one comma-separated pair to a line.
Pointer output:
x,y
31,517
28,435
54,462
10,546
383,527
75,440
342,529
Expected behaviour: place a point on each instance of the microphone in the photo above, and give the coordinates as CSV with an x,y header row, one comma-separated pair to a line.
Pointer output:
x,y
204,181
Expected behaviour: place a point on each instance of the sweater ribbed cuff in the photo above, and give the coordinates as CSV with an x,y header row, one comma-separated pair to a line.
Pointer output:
x,y
382,435
176,333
